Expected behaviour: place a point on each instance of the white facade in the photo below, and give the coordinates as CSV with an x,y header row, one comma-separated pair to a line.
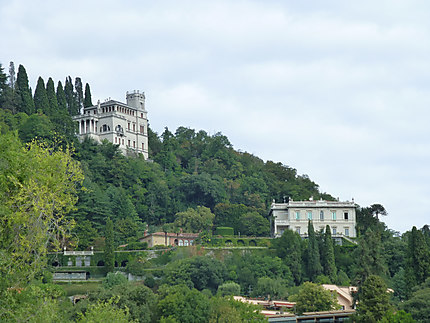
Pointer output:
x,y
125,125
340,216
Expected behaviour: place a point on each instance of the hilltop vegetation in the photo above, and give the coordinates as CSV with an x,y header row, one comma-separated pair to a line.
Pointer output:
x,y
57,192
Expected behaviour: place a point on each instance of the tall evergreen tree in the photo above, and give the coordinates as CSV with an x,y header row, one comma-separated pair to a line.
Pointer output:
x,y
314,263
52,97
61,97
373,300
24,98
12,75
79,94
41,101
328,256
289,248
3,86
61,118
368,256
109,252
72,106
87,98
418,258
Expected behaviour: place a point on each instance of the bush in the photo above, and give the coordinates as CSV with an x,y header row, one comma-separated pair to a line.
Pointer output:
x,y
113,279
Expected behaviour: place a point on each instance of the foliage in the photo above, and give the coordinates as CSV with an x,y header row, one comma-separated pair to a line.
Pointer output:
x,y
182,304
36,303
272,288
417,258
419,302
313,255
373,300
37,188
114,279
253,224
397,317
198,272
328,262
101,312
313,298
224,231
368,255
223,309
228,289
289,248
109,247
194,220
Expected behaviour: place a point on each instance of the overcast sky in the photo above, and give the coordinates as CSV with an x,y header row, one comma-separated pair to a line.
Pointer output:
x,y
339,90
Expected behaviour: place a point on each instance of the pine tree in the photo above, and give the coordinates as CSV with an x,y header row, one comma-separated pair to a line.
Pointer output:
x,y
328,256
87,99
314,263
24,98
41,101
109,252
52,97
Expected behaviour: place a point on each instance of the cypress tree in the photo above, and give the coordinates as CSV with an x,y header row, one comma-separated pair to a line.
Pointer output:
x,y
87,99
61,118
3,86
109,252
61,98
52,97
328,256
314,263
24,98
41,101
72,106
79,94
369,258
12,75
289,249
418,257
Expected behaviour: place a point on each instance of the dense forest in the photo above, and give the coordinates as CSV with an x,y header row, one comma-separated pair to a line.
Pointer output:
x,y
58,192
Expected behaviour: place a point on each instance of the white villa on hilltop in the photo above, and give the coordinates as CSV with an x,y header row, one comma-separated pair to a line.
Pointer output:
x,y
125,125
294,215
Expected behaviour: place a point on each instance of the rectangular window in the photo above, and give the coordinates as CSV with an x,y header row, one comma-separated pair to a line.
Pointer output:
x,y
141,115
322,215
128,126
116,139
334,230
129,143
123,141
297,215
142,129
347,232
309,215
143,146
134,127
346,215
134,144
298,230
333,215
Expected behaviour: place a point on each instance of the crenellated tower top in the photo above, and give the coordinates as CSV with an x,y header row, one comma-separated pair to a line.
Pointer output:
x,y
136,99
